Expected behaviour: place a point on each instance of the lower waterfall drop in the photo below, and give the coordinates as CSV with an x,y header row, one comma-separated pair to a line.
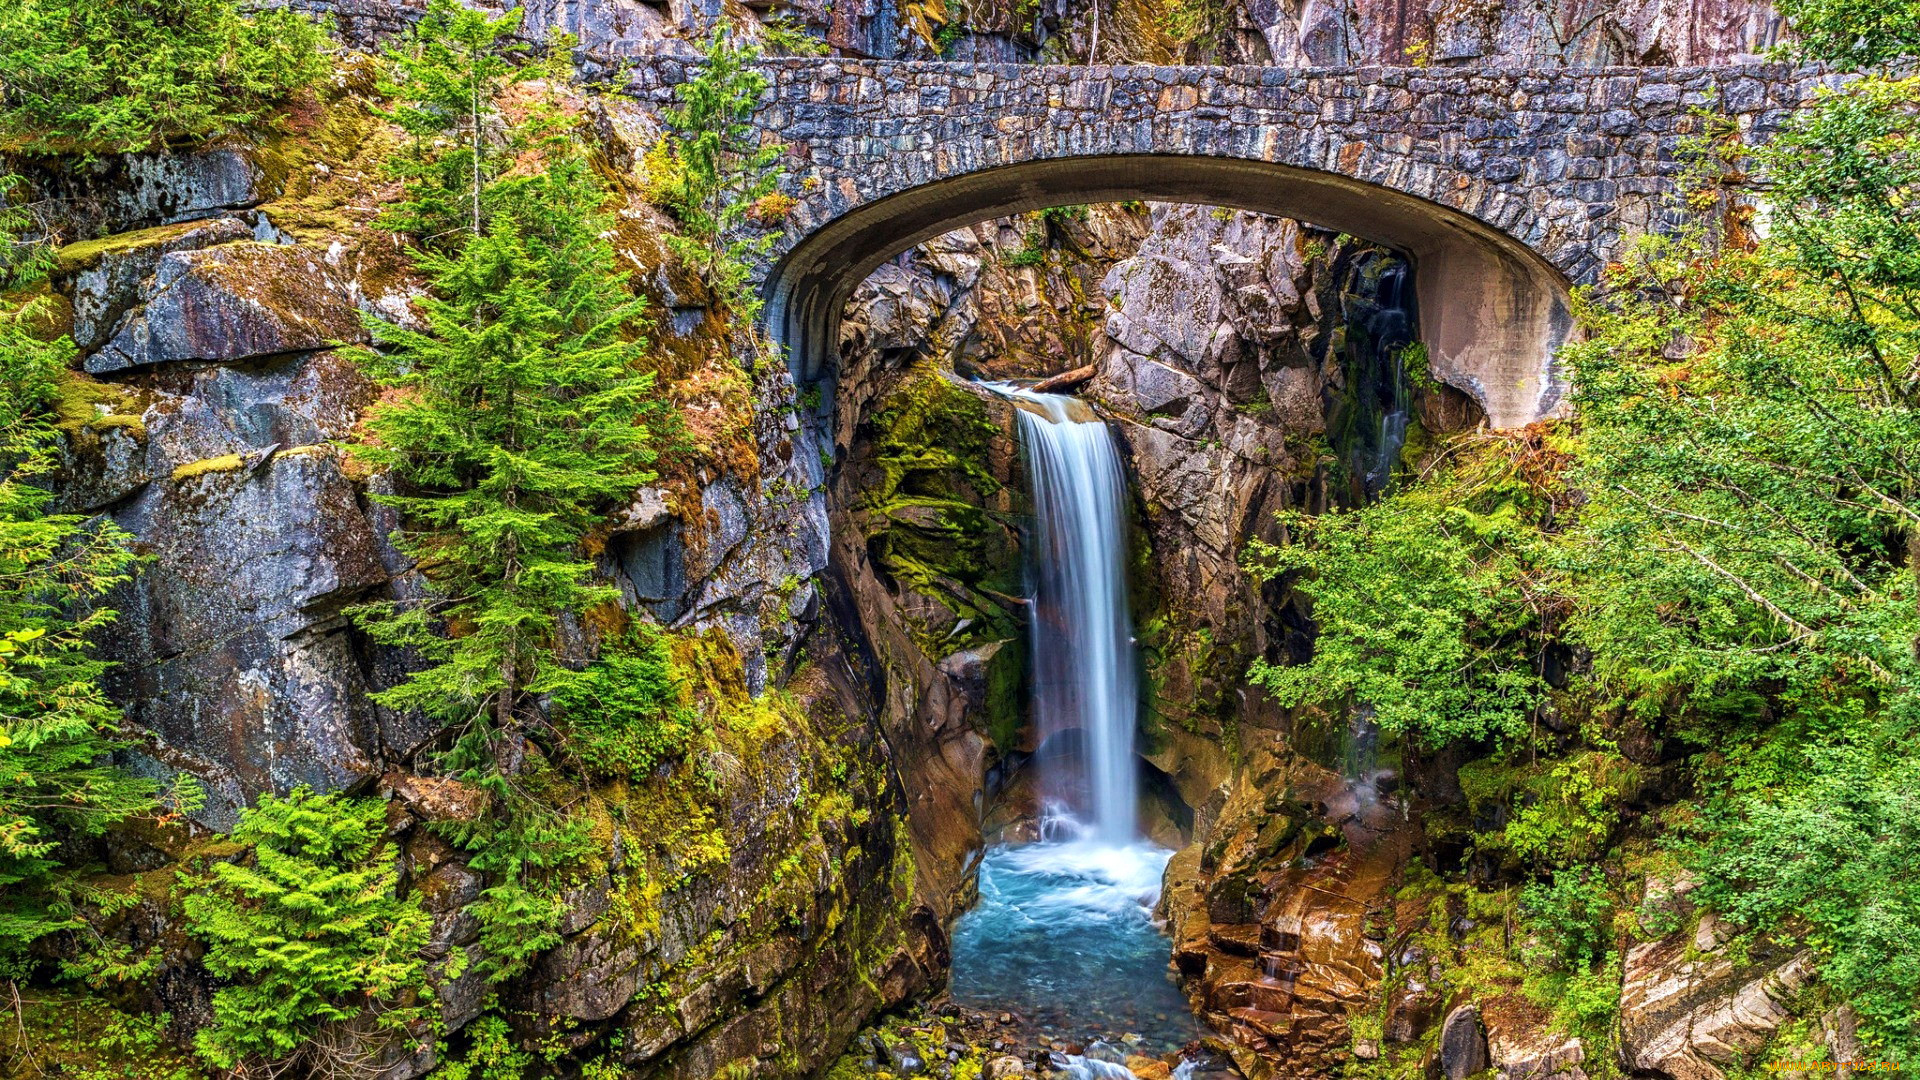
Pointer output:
x,y
1063,934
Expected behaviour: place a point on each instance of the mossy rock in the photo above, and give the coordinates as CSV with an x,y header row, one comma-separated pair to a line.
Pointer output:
x,y
225,463
87,254
84,404
929,523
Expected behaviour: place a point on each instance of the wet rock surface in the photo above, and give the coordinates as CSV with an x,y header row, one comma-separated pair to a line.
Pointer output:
x,y
1274,914
944,1040
1463,1043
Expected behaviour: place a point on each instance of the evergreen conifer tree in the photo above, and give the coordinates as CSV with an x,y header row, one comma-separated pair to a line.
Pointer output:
x,y
309,931
713,172
444,77
94,76
522,416
57,728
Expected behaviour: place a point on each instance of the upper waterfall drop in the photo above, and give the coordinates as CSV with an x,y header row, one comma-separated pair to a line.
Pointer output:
x,y
1085,673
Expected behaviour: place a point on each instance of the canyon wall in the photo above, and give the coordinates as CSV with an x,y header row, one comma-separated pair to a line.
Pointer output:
x,y
747,908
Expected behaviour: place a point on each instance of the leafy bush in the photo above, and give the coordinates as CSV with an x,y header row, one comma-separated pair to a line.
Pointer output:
x,y
1835,847
1585,1002
1571,809
117,75
1569,913
1426,602
1853,32
309,931
624,714
491,1054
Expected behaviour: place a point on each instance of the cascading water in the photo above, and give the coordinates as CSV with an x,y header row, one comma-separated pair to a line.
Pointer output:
x,y
1063,933
1085,679
1367,418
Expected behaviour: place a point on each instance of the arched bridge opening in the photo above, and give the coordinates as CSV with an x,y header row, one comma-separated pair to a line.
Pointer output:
x,y
1493,311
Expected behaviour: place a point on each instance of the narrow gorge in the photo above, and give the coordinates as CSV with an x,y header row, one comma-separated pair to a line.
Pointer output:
x,y
1091,539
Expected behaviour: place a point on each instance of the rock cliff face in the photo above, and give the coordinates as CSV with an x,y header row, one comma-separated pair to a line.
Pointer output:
x,y
1307,33
1243,351
740,925
1691,1005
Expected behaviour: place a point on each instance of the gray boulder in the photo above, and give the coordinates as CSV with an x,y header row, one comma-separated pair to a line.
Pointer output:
x,y
109,275
233,302
232,646
1463,1044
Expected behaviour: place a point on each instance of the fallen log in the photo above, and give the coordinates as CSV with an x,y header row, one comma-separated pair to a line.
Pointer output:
x,y
1066,380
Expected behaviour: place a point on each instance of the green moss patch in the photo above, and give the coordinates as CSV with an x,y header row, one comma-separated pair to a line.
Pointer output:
x,y
86,404
86,254
225,463
87,1038
928,522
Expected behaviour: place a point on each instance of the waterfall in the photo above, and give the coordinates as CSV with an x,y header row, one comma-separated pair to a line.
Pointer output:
x,y
1063,935
1085,676
1367,418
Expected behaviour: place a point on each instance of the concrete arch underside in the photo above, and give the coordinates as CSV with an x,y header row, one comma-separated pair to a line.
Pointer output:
x,y
1493,311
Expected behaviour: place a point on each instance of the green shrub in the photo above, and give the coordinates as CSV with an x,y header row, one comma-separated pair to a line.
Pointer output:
x,y
1569,914
1567,810
1585,1002
1853,32
1032,250
308,932
117,75
1836,847
491,1054
1428,603
623,714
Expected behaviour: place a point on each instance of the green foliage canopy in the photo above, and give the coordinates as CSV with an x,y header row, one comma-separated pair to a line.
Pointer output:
x,y
1853,33
94,76
624,714
444,77
1733,561
1424,604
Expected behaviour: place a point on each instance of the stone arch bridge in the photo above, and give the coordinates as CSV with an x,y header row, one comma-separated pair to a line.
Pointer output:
x,y
1505,187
